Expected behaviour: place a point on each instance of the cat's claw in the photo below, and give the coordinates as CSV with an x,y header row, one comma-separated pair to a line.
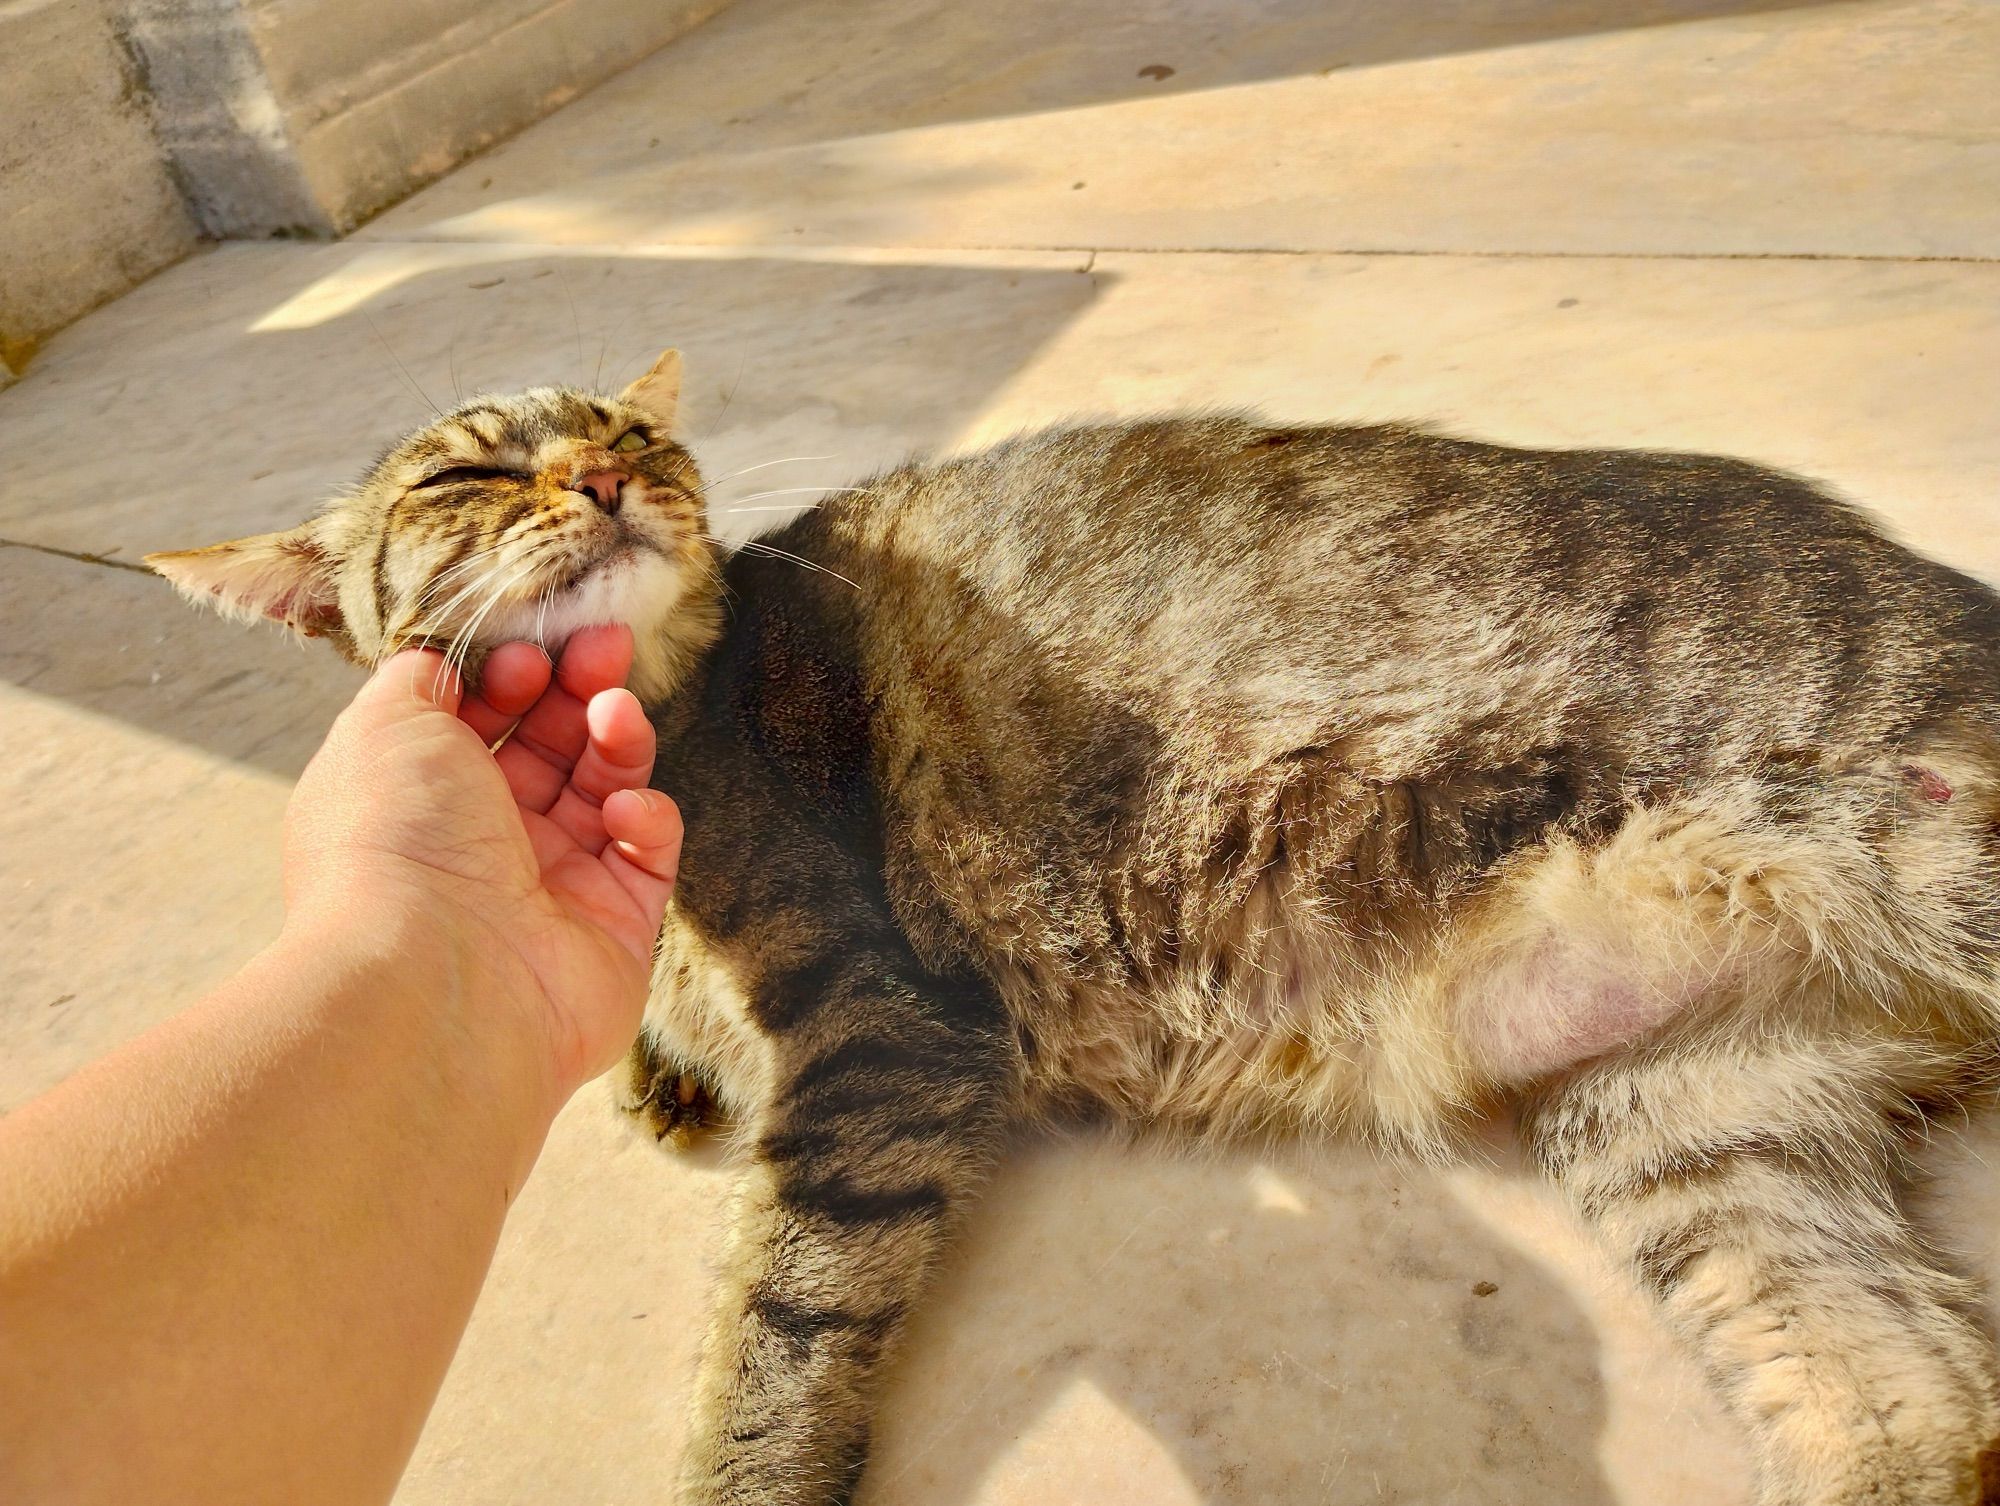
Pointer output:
x,y
669,1099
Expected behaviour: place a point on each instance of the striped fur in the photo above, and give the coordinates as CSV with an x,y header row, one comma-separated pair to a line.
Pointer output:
x,y
1237,780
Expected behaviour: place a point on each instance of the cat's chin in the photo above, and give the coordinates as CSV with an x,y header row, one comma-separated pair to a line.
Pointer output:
x,y
640,589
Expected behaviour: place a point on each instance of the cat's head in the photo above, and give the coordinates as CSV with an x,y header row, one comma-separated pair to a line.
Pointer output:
x,y
518,517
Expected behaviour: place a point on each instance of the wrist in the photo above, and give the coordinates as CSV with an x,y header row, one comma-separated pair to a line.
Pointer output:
x,y
410,979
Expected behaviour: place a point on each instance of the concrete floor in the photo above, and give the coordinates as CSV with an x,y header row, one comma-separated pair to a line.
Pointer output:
x,y
1770,229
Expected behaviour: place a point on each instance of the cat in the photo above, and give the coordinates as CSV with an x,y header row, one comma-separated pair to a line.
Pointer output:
x,y
1233,779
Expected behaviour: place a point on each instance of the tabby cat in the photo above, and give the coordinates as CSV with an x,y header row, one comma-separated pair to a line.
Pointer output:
x,y
1235,779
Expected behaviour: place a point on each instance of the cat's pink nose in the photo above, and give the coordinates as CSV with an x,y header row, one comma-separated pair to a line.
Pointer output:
x,y
604,487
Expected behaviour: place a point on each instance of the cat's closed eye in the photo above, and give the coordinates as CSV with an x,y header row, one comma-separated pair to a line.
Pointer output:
x,y
456,473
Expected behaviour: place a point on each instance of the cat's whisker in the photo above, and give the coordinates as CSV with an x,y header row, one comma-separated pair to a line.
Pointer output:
x,y
511,537
437,617
760,547
461,641
479,617
437,582
528,567
575,319
787,491
462,644
727,398
762,465
412,382
458,567
473,563
465,588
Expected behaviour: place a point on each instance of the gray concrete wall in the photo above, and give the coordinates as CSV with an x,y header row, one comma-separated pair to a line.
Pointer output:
x,y
129,128
307,116
87,206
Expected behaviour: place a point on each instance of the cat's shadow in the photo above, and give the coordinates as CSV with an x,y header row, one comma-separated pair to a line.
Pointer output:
x,y
1128,1325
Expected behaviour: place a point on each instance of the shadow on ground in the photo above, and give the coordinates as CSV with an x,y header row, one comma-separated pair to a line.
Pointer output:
x,y
831,368
1279,1332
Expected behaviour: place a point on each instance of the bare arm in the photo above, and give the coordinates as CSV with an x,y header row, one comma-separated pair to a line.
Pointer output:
x,y
236,1255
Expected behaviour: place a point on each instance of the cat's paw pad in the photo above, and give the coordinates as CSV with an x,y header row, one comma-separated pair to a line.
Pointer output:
x,y
670,1100
680,1109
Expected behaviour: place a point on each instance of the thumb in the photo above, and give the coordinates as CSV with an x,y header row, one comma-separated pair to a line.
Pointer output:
x,y
417,679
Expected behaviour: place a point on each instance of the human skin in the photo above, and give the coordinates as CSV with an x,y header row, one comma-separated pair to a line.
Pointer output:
x,y
237,1254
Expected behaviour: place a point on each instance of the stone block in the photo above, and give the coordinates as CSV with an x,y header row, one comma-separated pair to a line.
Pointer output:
x,y
88,205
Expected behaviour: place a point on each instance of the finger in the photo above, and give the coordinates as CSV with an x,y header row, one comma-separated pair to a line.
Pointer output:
x,y
618,756
545,746
514,677
620,753
596,658
416,677
648,890
552,736
535,777
645,828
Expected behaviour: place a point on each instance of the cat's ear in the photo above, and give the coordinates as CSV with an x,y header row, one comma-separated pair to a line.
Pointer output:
x,y
286,577
659,390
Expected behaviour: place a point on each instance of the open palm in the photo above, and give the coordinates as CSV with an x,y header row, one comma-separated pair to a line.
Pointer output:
x,y
516,822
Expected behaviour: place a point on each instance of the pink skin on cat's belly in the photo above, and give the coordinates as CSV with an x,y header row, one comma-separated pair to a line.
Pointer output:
x,y
1562,1006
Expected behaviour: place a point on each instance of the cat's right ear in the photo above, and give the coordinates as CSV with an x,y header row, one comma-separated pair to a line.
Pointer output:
x,y
283,577
659,390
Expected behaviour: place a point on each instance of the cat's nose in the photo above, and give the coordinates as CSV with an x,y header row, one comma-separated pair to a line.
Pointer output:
x,y
604,487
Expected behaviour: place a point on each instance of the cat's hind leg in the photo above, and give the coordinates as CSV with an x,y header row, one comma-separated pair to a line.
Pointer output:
x,y
1751,1186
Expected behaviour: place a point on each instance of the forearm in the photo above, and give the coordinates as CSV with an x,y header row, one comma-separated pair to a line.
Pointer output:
x,y
236,1257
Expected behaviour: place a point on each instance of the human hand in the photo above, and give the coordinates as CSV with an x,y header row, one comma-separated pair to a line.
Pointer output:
x,y
540,871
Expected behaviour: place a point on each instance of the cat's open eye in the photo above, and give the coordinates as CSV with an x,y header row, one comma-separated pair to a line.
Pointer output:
x,y
456,473
629,441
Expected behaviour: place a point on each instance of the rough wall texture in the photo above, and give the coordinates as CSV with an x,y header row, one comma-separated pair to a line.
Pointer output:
x,y
286,117
219,122
267,117
87,207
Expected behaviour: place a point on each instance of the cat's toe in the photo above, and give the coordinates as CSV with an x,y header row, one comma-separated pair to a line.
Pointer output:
x,y
667,1098
680,1109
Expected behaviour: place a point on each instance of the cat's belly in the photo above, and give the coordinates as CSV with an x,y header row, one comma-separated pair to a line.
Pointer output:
x,y
1286,1017
1275,1008
1401,1058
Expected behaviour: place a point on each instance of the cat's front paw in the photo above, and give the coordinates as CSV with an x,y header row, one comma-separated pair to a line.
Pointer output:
x,y
667,1097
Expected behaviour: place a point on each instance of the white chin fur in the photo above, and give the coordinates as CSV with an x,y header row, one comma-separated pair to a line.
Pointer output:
x,y
640,592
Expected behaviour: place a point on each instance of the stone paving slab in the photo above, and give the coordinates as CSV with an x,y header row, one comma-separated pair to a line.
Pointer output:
x,y
145,755
255,381
1648,128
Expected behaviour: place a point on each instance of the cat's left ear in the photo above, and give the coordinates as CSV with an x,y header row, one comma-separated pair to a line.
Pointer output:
x,y
286,577
659,390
